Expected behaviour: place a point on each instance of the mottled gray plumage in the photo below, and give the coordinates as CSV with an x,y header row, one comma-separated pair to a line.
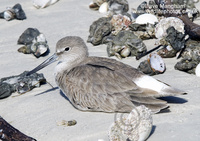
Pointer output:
x,y
103,84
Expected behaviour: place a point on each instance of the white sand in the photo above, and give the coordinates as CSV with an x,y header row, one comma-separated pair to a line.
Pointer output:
x,y
36,112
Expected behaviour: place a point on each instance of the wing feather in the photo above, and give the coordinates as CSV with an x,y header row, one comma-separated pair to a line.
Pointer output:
x,y
102,84
98,88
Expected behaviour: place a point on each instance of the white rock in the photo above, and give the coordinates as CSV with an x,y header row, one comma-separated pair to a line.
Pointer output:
x,y
43,3
156,62
195,1
136,126
8,15
103,8
146,18
125,51
41,38
164,24
197,70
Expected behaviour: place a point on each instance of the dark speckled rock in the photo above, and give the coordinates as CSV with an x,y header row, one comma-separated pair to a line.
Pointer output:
x,y
19,12
172,43
126,40
20,83
16,12
192,50
34,41
187,65
190,57
145,67
143,31
118,6
175,38
28,36
99,29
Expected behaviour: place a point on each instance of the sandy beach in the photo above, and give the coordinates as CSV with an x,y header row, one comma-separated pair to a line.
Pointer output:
x,y
37,112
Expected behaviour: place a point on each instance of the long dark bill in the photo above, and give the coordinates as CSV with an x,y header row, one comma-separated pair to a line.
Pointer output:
x,y
50,60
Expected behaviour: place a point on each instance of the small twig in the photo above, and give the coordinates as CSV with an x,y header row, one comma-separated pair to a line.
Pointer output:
x,y
50,84
181,51
146,53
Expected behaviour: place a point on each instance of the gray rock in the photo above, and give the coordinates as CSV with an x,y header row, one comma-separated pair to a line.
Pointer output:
x,y
20,83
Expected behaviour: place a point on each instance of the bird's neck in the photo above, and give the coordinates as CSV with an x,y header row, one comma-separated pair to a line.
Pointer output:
x,y
66,66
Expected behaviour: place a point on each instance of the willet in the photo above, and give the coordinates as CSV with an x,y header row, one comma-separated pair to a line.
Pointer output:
x,y
103,84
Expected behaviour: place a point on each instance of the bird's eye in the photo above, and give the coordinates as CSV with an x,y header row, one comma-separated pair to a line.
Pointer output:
x,y
67,49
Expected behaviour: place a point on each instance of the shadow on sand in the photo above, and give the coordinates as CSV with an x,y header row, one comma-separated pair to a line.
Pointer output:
x,y
63,95
49,90
172,99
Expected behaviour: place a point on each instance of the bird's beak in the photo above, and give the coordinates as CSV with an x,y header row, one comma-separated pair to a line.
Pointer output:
x,y
50,60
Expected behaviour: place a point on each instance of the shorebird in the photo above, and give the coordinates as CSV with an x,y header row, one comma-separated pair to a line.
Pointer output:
x,y
103,84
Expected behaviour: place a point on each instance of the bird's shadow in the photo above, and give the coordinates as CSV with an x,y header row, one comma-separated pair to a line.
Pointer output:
x,y
152,131
49,90
53,89
63,95
172,99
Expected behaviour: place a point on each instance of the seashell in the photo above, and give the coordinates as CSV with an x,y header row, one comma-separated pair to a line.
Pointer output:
x,y
126,21
153,65
8,15
136,126
167,52
103,8
146,18
34,41
41,38
120,22
164,24
39,48
156,62
43,3
117,48
125,52
25,50
93,6
67,123
197,70
15,12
